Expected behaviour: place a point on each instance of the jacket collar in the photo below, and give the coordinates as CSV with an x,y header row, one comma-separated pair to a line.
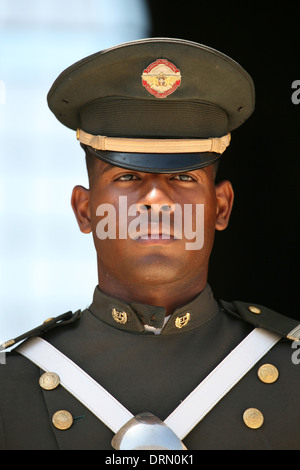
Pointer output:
x,y
132,317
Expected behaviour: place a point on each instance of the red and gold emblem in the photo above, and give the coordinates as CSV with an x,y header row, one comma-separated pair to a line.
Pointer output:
x,y
161,78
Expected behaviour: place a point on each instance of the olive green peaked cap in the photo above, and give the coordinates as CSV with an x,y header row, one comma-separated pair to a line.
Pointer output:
x,y
154,103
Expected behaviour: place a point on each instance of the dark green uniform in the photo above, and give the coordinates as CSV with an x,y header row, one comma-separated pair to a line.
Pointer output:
x,y
154,373
157,105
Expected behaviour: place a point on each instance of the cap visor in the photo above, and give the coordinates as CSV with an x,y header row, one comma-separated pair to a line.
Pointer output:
x,y
157,162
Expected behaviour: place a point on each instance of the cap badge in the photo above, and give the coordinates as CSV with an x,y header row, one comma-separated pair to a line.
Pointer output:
x,y
161,78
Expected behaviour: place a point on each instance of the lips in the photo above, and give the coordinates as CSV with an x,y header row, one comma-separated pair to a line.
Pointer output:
x,y
155,232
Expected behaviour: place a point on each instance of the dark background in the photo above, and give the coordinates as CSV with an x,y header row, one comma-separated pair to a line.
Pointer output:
x,y
256,258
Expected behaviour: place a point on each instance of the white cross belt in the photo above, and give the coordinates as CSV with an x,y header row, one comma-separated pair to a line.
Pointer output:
x,y
185,417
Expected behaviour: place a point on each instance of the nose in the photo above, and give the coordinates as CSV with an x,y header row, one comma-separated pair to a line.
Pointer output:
x,y
155,197
148,207
159,209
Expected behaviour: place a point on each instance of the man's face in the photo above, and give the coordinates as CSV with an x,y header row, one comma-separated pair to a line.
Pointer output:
x,y
147,257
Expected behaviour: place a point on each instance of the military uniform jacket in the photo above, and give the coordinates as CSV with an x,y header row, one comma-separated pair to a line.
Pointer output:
x,y
153,373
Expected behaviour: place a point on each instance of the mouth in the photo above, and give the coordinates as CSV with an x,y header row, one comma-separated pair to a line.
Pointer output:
x,y
156,241
156,234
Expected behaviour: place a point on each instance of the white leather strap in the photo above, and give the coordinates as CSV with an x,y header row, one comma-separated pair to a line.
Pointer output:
x,y
222,379
77,382
185,417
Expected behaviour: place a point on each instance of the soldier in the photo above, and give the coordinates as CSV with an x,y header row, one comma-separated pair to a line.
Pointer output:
x,y
155,362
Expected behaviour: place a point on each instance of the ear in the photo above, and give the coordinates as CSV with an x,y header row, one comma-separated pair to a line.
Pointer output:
x,y
80,202
225,196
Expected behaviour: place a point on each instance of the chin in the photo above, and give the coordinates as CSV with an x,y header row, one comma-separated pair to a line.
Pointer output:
x,y
157,269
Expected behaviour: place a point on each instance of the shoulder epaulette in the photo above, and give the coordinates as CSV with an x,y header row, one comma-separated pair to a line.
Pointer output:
x,y
49,324
263,317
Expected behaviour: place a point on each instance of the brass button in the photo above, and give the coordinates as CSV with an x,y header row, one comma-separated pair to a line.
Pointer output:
x,y
253,418
255,310
118,316
183,320
268,373
49,380
48,319
62,419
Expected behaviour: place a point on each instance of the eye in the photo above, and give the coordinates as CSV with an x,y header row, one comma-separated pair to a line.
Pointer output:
x,y
127,177
183,177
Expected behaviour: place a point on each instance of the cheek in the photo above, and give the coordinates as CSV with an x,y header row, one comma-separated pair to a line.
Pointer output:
x,y
102,204
204,221
109,220
205,206
210,220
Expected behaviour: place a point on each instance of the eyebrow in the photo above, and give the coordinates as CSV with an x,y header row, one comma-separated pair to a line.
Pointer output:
x,y
106,168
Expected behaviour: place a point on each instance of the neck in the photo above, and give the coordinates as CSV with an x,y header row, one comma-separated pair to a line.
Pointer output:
x,y
169,295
